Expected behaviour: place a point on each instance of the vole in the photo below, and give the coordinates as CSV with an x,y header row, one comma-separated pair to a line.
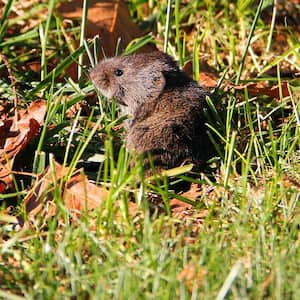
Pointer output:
x,y
166,107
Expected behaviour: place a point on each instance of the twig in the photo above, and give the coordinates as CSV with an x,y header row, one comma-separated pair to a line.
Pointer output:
x,y
25,174
13,85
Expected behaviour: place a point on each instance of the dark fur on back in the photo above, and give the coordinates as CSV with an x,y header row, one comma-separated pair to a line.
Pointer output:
x,y
166,106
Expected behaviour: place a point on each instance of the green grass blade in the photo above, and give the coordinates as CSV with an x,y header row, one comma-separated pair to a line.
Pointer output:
x,y
56,71
4,17
82,35
44,39
168,25
249,41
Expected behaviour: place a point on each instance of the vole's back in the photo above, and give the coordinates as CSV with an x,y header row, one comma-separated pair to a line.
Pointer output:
x,y
166,106
172,127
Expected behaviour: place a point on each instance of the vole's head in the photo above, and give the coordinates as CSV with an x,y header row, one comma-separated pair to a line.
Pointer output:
x,y
133,79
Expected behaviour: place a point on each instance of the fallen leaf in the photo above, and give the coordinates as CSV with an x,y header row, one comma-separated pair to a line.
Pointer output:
x,y
34,66
267,281
188,214
80,194
272,91
15,135
180,208
260,89
2,109
110,20
209,79
192,276
76,192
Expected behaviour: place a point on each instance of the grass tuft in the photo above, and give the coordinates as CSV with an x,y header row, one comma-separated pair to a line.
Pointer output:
x,y
235,236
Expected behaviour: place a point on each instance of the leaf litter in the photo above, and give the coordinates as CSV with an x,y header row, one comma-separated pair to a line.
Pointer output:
x,y
73,189
15,136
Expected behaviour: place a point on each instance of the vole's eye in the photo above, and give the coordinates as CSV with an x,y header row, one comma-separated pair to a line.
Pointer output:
x,y
118,72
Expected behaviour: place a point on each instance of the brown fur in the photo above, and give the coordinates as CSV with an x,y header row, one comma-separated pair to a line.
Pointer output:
x,y
165,105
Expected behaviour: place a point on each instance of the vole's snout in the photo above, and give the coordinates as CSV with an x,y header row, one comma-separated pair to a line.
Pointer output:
x,y
102,81
100,78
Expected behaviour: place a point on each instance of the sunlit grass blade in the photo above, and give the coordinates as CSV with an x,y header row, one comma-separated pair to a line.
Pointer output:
x,y
138,43
258,11
44,39
167,25
4,18
82,35
56,71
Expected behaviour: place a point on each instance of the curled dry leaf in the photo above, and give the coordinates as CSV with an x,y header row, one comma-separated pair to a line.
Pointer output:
x,y
15,135
273,91
208,78
261,89
76,192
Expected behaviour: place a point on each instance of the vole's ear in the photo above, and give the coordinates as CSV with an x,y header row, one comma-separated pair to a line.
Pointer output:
x,y
159,83
149,82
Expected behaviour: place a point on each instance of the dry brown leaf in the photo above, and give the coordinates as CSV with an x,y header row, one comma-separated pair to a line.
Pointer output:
x,y
209,79
291,181
260,89
190,216
187,212
194,192
76,192
15,135
108,19
80,194
192,276
2,110
268,280
273,91
179,207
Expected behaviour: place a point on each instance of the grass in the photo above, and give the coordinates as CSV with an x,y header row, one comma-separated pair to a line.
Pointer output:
x,y
241,240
